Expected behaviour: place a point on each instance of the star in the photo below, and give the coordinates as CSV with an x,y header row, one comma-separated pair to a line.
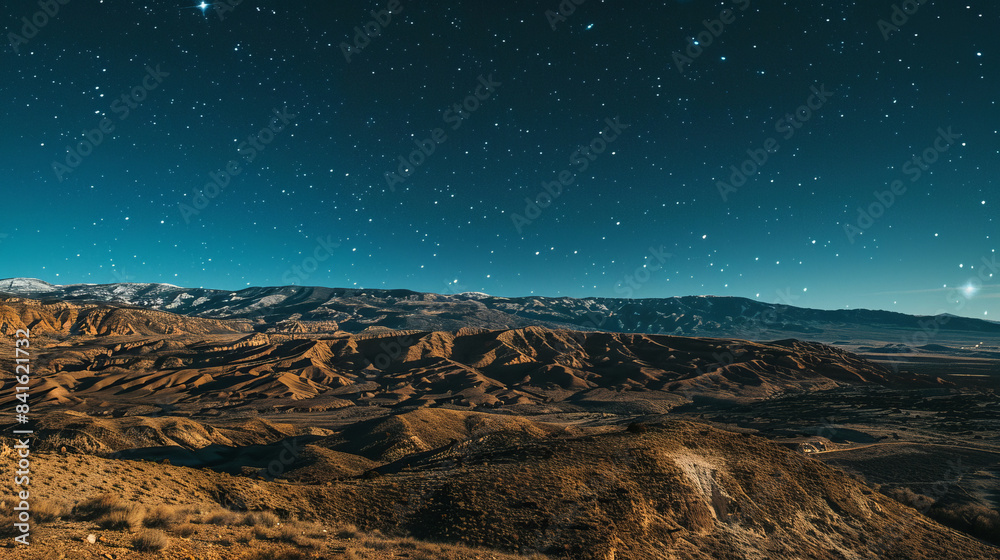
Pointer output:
x,y
970,290
203,6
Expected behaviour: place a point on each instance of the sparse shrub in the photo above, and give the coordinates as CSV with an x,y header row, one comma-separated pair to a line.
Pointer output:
x,y
376,544
186,529
306,542
313,530
348,532
287,534
262,533
224,517
287,554
48,510
261,519
150,540
129,519
163,516
911,498
98,506
973,519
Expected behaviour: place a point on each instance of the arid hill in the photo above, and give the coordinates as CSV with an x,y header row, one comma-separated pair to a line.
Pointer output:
x,y
88,356
673,489
60,319
293,439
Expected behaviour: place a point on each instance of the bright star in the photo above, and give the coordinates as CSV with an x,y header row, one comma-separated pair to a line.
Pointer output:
x,y
203,6
970,290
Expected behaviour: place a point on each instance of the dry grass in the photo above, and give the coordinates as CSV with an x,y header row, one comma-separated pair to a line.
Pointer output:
x,y
98,506
224,517
303,541
286,554
127,519
109,511
312,529
164,516
45,511
347,532
302,535
287,534
910,498
261,519
376,543
977,520
150,540
186,529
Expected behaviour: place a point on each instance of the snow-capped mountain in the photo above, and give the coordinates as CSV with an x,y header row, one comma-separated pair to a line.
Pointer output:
x,y
357,309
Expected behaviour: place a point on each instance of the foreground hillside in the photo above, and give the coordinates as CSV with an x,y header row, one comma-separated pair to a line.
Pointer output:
x,y
672,489
60,320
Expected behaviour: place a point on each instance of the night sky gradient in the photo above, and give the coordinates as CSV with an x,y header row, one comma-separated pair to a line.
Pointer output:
x,y
315,207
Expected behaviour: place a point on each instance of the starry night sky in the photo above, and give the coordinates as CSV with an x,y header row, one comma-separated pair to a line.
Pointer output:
x,y
647,216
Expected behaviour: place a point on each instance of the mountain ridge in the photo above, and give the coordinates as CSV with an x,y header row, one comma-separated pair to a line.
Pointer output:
x,y
102,352
357,309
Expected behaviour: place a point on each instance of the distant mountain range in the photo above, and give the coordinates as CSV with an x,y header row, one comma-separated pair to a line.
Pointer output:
x,y
356,310
132,357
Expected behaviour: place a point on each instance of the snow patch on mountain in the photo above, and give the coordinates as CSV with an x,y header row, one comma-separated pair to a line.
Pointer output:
x,y
26,285
178,301
267,301
475,295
